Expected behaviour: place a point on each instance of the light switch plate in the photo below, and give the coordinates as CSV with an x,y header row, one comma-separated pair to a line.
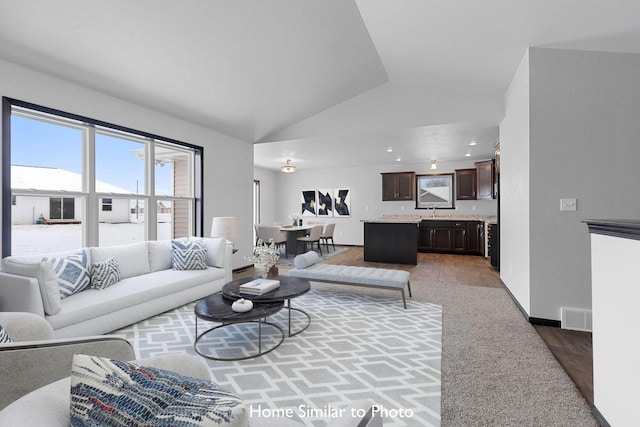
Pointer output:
x,y
568,205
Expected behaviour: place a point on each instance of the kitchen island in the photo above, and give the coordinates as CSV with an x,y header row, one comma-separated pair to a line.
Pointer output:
x,y
397,239
391,241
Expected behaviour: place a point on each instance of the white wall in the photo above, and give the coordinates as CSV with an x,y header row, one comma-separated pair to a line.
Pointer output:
x,y
365,184
616,268
571,131
228,162
585,132
514,188
28,209
119,211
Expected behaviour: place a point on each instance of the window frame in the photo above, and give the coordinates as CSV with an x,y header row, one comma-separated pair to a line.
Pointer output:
x,y
93,125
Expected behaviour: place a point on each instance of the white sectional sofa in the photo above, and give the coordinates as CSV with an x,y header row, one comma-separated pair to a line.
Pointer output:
x,y
148,286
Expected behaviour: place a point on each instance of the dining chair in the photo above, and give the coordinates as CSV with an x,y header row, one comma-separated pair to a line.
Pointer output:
x,y
313,237
268,232
327,234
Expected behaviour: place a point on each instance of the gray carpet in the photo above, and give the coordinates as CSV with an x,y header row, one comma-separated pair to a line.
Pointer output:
x,y
357,347
496,370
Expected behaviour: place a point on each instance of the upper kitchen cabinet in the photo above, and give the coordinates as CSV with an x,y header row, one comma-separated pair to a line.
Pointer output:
x,y
398,186
466,184
485,177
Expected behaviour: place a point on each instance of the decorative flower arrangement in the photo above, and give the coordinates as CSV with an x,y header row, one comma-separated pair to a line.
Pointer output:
x,y
265,256
294,217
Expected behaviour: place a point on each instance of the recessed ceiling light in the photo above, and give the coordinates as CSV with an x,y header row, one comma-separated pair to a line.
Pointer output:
x,y
468,155
473,143
398,159
389,150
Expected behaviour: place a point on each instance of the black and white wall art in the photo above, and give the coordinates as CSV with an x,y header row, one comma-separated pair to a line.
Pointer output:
x,y
325,202
342,202
308,201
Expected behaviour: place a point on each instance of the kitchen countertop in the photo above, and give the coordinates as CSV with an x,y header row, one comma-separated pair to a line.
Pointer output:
x,y
415,219
394,220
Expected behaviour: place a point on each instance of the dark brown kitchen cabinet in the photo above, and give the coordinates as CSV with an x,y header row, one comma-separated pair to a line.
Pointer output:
x,y
436,238
425,239
398,186
475,237
465,237
485,177
466,184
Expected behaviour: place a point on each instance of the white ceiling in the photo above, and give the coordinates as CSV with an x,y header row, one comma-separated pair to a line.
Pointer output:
x,y
304,78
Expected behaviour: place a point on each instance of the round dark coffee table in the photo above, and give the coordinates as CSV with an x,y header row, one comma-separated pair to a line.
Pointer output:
x,y
290,287
216,308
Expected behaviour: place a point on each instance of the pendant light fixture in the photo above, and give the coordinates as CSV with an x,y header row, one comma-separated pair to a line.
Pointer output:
x,y
288,168
433,165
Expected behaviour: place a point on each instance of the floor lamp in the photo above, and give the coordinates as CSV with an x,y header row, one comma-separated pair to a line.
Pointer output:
x,y
225,226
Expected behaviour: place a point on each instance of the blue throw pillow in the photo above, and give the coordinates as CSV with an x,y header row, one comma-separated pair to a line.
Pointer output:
x,y
72,272
189,255
107,392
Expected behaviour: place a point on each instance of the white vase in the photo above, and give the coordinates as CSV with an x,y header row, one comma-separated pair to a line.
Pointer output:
x,y
266,270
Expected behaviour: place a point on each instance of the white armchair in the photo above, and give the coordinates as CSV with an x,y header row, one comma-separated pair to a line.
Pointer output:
x,y
35,368
35,359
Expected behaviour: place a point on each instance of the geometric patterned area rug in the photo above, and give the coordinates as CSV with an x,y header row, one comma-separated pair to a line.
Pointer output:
x,y
356,347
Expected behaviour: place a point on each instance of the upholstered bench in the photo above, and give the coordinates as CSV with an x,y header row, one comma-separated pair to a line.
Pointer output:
x,y
382,278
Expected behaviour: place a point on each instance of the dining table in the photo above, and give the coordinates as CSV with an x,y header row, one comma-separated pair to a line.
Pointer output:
x,y
293,232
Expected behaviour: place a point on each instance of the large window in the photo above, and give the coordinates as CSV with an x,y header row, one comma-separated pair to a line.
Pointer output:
x,y
71,181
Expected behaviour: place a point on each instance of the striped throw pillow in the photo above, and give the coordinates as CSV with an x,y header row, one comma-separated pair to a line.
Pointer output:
x,y
105,273
4,336
107,392
189,255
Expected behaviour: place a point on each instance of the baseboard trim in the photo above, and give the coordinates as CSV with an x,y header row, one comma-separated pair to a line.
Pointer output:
x,y
532,320
522,310
599,417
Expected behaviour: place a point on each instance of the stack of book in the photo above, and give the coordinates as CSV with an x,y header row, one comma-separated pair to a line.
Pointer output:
x,y
259,286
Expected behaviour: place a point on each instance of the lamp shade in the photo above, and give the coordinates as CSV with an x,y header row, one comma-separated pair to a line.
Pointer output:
x,y
224,226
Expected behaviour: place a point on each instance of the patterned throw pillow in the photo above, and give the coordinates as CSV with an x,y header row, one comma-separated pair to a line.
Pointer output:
x,y
72,272
4,336
108,392
105,273
189,255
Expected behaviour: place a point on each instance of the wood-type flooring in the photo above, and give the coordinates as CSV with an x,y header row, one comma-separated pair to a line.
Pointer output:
x,y
572,349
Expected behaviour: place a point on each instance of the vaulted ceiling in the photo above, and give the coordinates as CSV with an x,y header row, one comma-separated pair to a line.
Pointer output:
x,y
302,78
